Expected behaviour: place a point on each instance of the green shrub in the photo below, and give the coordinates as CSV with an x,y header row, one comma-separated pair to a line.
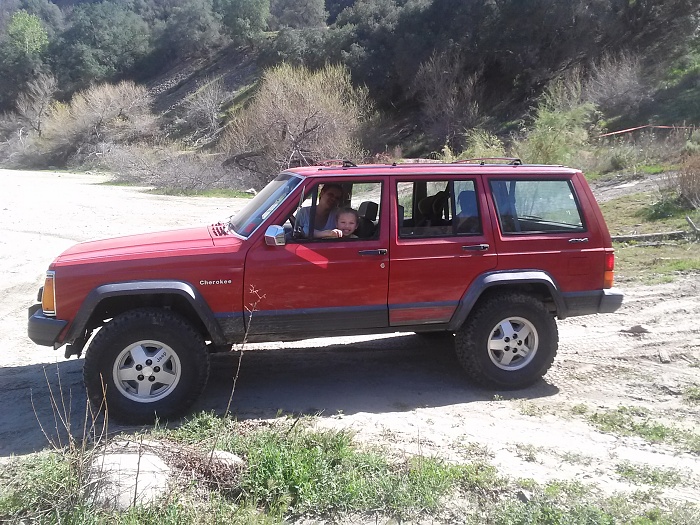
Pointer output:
x,y
667,206
561,124
482,144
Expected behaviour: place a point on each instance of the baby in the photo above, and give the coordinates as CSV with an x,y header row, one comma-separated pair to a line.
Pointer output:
x,y
347,220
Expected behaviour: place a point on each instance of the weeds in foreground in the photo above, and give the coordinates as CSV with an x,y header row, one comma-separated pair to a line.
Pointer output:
x,y
660,477
294,471
635,421
691,394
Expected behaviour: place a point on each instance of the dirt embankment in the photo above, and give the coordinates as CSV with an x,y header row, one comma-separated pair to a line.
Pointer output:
x,y
397,390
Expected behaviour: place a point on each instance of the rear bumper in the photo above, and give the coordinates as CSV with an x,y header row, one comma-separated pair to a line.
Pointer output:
x,y
43,330
593,302
610,301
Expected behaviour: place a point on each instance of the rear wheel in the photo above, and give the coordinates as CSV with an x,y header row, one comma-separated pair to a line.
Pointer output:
x,y
144,364
508,342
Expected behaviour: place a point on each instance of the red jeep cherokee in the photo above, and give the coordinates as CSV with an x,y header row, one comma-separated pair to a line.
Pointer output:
x,y
491,253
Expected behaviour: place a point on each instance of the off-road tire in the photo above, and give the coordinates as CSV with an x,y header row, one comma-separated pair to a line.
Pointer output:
x,y
114,355
480,341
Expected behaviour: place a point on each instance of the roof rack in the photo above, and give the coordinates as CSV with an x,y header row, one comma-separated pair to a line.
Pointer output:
x,y
337,162
513,161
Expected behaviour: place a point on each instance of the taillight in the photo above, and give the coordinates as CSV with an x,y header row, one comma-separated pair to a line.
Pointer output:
x,y
48,298
609,267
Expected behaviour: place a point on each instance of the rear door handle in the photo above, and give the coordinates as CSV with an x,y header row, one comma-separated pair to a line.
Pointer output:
x,y
381,251
582,239
476,248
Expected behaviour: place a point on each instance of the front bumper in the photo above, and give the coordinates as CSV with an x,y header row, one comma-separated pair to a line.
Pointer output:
x,y
44,330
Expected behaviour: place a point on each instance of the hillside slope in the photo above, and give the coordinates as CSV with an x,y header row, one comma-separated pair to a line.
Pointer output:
x,y
235,66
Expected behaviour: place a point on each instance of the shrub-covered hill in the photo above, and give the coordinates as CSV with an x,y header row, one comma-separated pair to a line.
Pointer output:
x,y
436,77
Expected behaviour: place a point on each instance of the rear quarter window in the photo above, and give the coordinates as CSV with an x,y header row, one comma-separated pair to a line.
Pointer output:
x,y
536,206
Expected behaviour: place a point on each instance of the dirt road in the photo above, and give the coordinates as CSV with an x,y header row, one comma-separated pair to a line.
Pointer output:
x,y
397,390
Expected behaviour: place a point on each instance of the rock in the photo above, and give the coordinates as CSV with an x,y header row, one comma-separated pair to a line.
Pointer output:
x,y
251,191
524,495
663,356
125,474
637,329
227,459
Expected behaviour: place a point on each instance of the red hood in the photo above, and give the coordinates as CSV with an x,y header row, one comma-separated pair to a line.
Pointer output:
x,y
166,242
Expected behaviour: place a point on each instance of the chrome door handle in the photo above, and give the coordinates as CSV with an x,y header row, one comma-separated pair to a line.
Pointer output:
x,y
381,251
475,248
582,239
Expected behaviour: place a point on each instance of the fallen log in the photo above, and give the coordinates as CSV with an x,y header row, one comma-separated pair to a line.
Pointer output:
x,y
679,234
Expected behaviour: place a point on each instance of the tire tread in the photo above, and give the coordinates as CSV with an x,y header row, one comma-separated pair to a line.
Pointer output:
x,y
134,319
466,338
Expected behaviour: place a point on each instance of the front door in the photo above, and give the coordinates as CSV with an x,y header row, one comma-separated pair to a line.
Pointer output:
x,y
322,286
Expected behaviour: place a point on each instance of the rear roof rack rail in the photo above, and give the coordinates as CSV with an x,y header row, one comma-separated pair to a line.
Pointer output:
x,y
513,161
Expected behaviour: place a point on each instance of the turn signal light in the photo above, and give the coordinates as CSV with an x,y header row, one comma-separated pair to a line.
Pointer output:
x,y
48,298
609,267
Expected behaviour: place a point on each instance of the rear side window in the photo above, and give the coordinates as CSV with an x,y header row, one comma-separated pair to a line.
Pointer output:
x,y
438,208
536,206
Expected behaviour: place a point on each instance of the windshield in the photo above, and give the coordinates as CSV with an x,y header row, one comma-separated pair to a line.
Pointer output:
x,y
263,204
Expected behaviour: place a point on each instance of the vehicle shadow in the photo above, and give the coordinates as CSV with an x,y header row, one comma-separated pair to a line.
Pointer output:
x,y
42,405
398,373
389,374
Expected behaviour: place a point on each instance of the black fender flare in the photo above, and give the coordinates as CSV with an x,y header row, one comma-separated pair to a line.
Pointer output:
x,y
180,288
500,278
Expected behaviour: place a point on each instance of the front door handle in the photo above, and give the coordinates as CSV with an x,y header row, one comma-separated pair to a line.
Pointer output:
x,y
475,248
582,239
381,251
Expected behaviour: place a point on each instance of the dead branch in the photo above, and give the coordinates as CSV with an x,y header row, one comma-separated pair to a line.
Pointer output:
x,y
692,225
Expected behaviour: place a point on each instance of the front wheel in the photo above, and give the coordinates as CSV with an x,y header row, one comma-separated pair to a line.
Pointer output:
x,y
144,364
508,342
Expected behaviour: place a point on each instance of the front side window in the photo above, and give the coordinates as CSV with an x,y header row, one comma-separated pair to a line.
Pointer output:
x,y
438,208
339,210
536,206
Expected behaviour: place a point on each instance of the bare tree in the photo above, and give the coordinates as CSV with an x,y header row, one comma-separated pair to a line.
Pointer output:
x,y
96,118
616,83
33,105
449,97
204,106
167,165
298,117
688,180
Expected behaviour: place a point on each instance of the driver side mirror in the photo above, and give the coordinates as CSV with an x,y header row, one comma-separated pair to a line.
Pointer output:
x,y
274,236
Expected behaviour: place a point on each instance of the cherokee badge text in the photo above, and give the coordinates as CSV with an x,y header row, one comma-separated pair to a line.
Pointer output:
x,y
218,281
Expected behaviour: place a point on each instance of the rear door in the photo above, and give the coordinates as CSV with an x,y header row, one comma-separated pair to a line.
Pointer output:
x,y
440,244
